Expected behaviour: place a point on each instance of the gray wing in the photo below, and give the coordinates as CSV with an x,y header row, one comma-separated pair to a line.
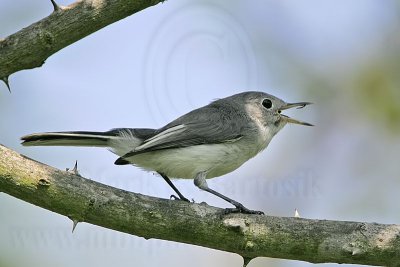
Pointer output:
x,y
212,124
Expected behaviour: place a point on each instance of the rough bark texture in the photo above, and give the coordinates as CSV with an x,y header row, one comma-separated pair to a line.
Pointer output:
x,y
31,46
251,236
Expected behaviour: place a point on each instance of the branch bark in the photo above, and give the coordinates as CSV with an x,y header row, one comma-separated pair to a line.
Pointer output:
x,y
31,46
251,236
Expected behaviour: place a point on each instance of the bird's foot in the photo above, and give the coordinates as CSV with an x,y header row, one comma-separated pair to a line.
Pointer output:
x,y
242,209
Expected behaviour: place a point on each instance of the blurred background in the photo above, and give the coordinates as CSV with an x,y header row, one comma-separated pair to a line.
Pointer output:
x,y
158,64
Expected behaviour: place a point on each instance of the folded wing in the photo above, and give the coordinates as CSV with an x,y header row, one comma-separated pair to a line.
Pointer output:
x,y
206,126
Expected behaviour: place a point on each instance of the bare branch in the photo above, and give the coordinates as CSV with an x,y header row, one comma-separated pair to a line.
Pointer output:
x,y
251,236
31,46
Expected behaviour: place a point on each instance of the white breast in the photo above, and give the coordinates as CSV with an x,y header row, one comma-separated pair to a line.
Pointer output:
x,y
215,159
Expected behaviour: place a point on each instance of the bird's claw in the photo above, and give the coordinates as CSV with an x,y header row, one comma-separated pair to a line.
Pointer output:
x,y
242,209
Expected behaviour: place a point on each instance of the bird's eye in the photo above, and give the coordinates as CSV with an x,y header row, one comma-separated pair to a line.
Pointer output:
x,y
267,103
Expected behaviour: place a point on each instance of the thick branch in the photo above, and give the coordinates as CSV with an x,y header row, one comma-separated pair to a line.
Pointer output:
x,y
251,236
31,46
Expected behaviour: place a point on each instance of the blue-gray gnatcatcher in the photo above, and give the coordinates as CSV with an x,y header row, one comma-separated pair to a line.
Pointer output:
x,y
207,142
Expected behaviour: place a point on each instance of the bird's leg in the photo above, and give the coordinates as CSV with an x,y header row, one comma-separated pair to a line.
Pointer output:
x,y
181,197
200,182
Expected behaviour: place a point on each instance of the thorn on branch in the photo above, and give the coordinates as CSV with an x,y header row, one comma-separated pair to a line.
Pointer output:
x,y
246,261
5,80
55,6
75,223
74,169
296,213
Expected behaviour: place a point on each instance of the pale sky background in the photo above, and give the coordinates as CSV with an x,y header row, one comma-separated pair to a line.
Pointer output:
x,y
158,64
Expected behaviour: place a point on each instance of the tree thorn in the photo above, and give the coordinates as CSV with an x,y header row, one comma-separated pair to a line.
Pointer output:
x,y
55,5
296,213
74,169
75,223
246,261
5,80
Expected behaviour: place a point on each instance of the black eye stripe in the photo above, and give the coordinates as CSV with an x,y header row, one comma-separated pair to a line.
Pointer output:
x,y
267,103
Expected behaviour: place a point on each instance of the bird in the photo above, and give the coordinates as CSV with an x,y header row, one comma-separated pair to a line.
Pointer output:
x,y
204,143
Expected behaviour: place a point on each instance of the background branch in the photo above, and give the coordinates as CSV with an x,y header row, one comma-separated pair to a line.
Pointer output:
x,y
31,46
251,236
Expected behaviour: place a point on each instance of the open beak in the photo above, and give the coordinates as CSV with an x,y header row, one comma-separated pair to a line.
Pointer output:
x,y
294,105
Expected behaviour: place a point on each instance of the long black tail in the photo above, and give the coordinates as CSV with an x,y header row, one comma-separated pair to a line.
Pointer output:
x,y
96,139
